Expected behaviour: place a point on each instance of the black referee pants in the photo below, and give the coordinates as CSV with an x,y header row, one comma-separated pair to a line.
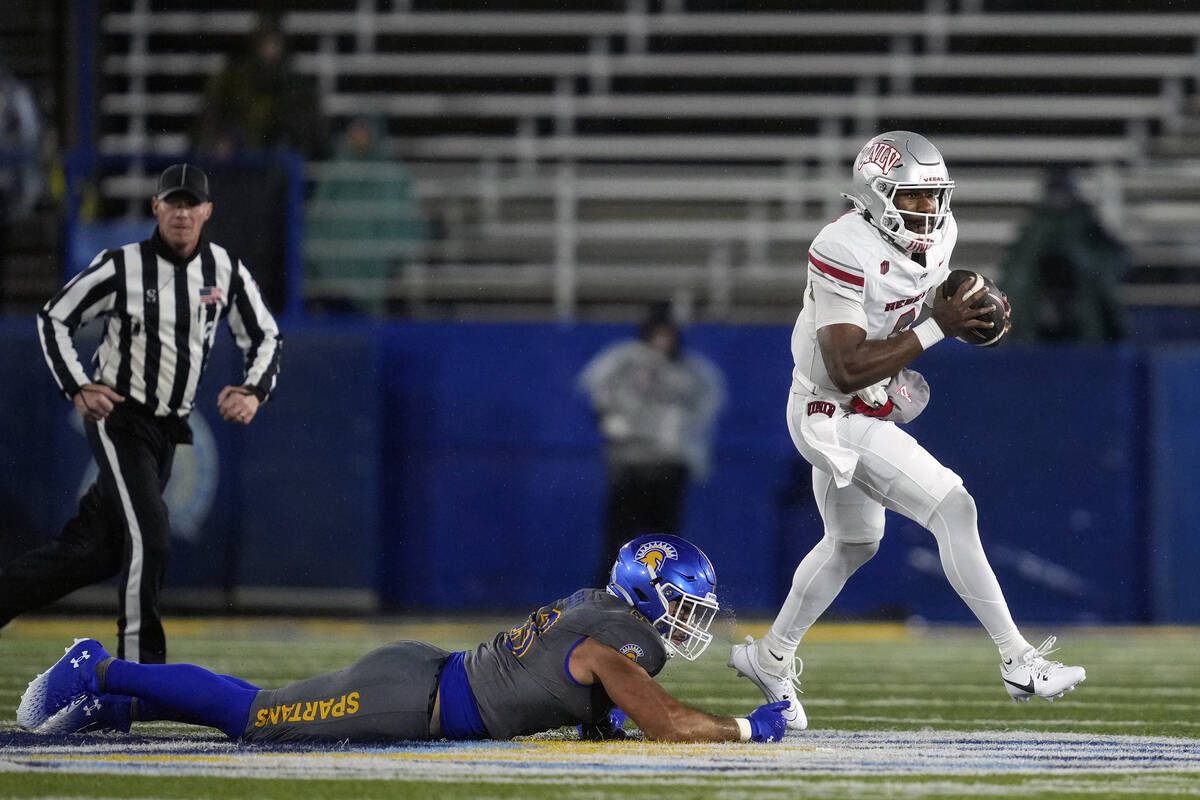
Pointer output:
x,y
642,499
121,527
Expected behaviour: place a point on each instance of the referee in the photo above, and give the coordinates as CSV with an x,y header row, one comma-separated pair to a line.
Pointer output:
x,y
162,299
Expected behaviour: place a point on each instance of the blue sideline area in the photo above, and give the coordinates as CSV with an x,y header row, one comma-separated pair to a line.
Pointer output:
x,y
454,466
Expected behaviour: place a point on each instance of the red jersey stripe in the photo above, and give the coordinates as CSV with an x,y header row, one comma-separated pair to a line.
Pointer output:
x,y
834,272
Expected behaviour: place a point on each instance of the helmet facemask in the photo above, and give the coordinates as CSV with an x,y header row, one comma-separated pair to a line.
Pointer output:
x,y
912,231
685,621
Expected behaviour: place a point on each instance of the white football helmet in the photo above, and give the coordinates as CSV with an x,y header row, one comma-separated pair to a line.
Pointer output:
x,y
901,160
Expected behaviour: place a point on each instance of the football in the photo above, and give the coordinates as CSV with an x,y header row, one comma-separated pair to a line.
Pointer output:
x,y
992,296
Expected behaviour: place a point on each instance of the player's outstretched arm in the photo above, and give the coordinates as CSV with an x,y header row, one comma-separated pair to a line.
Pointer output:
x,y
656,711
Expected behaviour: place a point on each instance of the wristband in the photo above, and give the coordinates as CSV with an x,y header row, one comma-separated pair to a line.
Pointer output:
x,y
929,333
743,728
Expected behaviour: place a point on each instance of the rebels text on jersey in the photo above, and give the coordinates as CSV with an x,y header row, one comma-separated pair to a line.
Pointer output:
x,y
856,276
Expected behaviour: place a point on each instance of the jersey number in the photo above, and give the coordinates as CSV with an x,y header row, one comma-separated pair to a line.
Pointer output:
x,y
518,640
906,319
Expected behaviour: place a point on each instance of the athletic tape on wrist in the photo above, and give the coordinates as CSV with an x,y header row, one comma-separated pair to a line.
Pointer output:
x,y
744,729
929,333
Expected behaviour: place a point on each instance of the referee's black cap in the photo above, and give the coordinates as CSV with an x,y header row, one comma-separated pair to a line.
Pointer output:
x,y
184,178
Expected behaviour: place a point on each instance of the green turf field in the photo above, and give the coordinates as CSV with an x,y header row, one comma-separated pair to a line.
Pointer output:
x,y
894,712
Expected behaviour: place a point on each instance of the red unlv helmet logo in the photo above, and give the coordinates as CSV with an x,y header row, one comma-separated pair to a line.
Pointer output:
x,y
881,154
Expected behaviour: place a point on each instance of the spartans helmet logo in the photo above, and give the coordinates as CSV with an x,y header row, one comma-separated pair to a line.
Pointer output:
x,y
653,554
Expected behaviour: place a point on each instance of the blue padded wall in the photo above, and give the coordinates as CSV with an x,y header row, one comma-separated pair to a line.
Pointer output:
x,y
1174,561
455,466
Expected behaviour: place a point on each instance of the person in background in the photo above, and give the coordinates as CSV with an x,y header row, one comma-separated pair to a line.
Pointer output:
x,y
256,104
363,222
1063,271
655,405
22,179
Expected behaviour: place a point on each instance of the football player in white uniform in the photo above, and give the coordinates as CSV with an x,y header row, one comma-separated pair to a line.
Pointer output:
x,y
873,304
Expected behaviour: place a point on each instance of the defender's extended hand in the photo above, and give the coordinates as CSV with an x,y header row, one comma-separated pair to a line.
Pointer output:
x,y
767,723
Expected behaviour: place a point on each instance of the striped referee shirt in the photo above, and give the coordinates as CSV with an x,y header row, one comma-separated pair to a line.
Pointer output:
x,y
161,314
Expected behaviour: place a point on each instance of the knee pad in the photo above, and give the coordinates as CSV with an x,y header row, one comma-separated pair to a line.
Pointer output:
x,y
854,554
955,520
957,509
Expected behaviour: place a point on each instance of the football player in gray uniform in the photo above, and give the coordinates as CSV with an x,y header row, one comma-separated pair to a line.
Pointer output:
x,y
581,660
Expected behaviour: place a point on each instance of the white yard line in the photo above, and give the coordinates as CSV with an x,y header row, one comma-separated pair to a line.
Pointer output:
x,y
1008,723
874,753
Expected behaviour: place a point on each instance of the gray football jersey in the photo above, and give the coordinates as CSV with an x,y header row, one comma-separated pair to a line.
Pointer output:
x,y
520,677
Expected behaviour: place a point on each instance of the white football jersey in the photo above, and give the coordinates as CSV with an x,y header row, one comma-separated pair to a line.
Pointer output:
x,y
857,276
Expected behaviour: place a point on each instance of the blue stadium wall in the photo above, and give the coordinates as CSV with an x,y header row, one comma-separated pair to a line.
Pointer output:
x,y
449,467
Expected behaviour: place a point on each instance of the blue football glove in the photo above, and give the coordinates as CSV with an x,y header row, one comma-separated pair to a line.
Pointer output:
x,y
767,723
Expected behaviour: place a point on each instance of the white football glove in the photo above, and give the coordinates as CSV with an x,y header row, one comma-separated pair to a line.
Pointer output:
x,y
874,396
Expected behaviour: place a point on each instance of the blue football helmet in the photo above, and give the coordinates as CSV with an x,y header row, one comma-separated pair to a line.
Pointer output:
x,y
671,583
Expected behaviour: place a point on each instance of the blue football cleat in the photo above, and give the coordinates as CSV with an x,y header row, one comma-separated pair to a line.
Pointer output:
x,y
90,713
73,675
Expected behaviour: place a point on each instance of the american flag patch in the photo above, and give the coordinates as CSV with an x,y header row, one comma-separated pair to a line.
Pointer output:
x,y
211,294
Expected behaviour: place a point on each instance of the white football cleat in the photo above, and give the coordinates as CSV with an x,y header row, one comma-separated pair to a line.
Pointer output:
x,y
1033,674
775,686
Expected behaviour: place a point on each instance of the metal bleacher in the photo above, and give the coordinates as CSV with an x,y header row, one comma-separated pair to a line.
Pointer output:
x,y
578,162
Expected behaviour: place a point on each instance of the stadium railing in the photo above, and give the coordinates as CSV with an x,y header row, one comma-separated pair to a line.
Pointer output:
x,y
557,203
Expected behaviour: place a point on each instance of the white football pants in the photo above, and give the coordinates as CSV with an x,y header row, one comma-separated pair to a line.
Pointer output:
x,y
893,471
